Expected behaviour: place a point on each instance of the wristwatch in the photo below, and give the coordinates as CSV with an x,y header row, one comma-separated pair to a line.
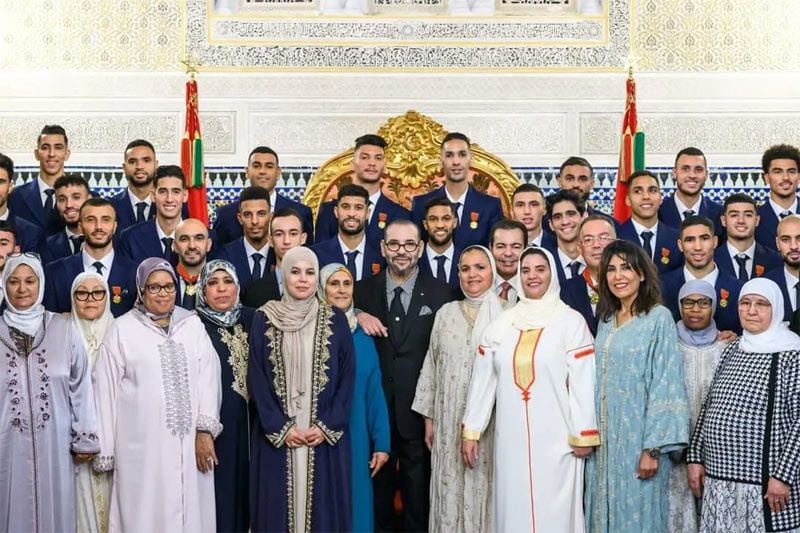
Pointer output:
x,y
653,452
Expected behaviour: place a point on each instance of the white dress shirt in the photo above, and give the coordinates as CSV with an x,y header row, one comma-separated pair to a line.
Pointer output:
x,y
431,257
536,241
513,292
89,261
751,254
711,277
249,250
566,260
373,201
161,235
135,200
639,229
43,186
778,209
359,257
462,200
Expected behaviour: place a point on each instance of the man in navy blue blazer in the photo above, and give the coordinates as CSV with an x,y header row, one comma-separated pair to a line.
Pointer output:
x,y
780,164
787,276
698,241
350,246
528,208
72,190
657,239
35,200
368,166
192,246
565,211
740,255
440,258
8,242
690,173
263,170
576,174
98,223
28,235
477,212
135,203
154,238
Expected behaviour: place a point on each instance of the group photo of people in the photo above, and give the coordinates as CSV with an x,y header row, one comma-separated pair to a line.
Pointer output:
x,y
454,366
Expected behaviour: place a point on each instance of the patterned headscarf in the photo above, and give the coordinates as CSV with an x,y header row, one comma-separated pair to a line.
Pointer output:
x,y
222,318
325,274
29,320
147,267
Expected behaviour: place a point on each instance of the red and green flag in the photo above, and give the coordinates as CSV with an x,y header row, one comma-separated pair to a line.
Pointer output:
x,y
631,153
192,157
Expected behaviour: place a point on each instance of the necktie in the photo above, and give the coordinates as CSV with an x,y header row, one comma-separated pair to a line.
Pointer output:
x,y
741,260
76,241
441,275
167,242
188,300
504,288
574,269
140,209
688,213
646,237
796,294
351,262
98,266
49,203
785,214
257,257
396,313
457,205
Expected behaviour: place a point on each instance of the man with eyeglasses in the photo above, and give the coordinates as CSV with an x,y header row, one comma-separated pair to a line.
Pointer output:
x,y
583,292
98,223
787,276
406,301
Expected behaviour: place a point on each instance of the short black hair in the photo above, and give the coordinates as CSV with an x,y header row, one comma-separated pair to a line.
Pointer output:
x,y
738,198
779,151
649,293
169,171
97,201
72,180
352,189
455,136
140,142
692,151
284,212
7,164
370,139
439,201
52,129
639,174
253,193
8,227
575,160
526,187
696,220
565,196
507,223
263,150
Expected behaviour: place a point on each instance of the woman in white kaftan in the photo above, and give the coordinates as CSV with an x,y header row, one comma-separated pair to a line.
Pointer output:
x,y
460,497
157,384
47,415
91,315
535,367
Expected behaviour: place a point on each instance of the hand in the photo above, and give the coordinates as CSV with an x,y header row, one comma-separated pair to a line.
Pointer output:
x,y
371,325
582,451
429,433
79,458
647,466
295,438
697,478
469,451
777,495
378,460
314,436
204,452
726,336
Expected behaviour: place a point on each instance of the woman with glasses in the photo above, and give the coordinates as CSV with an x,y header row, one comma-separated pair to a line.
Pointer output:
x,y
91,315
744,456
640,397
48,420
157,386
227,323
300,379
699,345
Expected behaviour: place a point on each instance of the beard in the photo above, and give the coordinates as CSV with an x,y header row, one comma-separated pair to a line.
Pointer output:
x,y
194,262
140,182
791,263
91,242
440,242
354,231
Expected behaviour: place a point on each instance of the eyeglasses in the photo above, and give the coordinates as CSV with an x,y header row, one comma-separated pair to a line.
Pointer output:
x,y
759,305
408,246
97,295
589,240
702,303
154,289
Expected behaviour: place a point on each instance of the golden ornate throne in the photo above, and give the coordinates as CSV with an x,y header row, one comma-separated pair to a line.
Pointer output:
x,y
412,165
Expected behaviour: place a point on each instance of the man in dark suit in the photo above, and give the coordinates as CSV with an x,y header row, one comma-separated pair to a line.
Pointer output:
x,y
528,208
506,242
440,258
690,173
740,255
29,236
72,190
350,246
8,242
643,228
780,164
787,276
35,201
477,212
263,170
583,292
565,211
406,300
697,242
192,246
135,203
154,238
576,174
98,224
368,165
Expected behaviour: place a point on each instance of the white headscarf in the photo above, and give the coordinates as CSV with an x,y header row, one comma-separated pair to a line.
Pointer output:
x,y
31,319
489,303
528,313
777,337
92,331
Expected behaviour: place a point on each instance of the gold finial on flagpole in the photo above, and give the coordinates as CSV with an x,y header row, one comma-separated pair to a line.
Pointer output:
x,y
630,72
191,65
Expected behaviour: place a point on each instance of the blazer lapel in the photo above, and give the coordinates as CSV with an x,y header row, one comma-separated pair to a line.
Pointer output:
x,y
34,201
418,299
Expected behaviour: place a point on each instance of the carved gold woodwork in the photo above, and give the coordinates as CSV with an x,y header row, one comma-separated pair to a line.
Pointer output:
x,y
412,165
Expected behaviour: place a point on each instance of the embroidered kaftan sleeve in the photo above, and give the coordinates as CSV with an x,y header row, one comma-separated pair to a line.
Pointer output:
x,y
580,378
666,424
106,376
788,464
377,412
85,428
425,395
482,391
333,421
209,393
